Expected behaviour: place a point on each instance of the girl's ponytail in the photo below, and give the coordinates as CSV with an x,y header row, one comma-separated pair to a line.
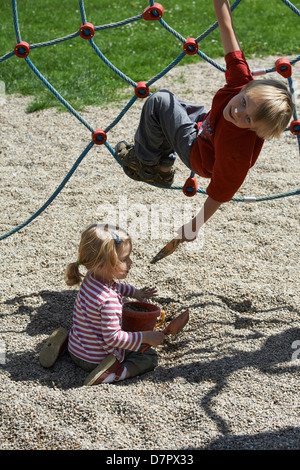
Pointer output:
x,y
72,274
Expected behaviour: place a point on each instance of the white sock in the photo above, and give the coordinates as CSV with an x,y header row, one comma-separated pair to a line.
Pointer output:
x,y
111,377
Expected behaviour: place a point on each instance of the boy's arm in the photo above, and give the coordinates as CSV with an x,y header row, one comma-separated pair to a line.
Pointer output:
x,y
228,36
189,231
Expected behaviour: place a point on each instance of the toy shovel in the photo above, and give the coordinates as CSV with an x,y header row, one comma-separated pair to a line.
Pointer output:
x,y
167,250
174,327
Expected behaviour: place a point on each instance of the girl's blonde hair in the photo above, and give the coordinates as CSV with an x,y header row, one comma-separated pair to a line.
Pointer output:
x,y
275,109
99,247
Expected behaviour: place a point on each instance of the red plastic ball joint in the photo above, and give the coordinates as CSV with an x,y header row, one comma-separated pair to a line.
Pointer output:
x,y
190,46
142,90
190,187
22,49
295,127
283,67
153,13
99,137
86,31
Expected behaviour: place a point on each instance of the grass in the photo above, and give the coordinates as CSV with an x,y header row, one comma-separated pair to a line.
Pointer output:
x,y
140,50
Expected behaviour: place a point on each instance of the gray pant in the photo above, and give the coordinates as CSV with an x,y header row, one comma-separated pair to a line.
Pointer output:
x,y
168,126
137,363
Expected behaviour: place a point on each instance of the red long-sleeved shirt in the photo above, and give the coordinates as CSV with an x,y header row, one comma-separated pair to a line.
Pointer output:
x,y
224,152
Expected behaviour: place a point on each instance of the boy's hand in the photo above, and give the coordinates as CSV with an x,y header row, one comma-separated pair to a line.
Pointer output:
x,y
189,231
186,232
145,293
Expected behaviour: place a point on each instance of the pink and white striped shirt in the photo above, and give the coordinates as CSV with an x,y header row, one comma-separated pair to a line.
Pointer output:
x,y
97,317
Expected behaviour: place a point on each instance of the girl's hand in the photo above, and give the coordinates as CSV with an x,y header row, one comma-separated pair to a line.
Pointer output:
x,y
154,338
145,293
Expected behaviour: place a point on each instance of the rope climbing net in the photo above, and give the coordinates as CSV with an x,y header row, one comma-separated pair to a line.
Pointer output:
x,y
190,46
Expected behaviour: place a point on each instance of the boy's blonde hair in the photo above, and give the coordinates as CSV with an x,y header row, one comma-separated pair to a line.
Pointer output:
x,y
99,247
276,107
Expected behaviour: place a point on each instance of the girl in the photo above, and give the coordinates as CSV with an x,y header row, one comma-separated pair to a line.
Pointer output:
x,y
96,341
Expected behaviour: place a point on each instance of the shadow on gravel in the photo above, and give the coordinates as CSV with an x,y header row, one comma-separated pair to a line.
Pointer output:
x,y
55,309
47,310
283,439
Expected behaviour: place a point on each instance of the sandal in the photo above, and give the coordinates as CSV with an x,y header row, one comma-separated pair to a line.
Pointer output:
x,y
109,365
54,347
135,169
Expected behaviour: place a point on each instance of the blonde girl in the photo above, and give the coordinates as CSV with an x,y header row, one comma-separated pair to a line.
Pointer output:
x,y
96,341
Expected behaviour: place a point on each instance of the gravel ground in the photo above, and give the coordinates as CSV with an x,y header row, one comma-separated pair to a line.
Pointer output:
x,y
230,380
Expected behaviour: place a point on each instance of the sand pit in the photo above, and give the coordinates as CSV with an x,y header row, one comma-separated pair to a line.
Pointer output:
x,y
230,379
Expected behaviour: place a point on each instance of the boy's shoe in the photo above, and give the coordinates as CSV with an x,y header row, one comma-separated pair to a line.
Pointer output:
x,y
109,365
54,347
139,171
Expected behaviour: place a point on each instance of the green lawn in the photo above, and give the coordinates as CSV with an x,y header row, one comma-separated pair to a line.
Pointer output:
x,y
140,50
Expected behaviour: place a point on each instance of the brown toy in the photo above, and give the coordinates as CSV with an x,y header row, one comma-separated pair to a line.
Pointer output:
x,y
167,250
174,327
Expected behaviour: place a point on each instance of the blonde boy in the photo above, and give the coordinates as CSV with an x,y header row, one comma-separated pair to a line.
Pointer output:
x,y
222,144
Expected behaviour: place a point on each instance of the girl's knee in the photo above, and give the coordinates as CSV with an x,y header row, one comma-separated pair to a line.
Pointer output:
x,y
152,357
139,363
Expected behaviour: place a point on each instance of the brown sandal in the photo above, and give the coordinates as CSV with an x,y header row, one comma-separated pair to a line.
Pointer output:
x,y
138,171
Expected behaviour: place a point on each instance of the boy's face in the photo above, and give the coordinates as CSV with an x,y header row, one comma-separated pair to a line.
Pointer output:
x,y
240,109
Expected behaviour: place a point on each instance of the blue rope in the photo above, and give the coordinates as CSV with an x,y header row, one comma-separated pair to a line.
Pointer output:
x,y
122,113
183,40
110,65
53,196
134,98
292,7
57,95
82,12
295,115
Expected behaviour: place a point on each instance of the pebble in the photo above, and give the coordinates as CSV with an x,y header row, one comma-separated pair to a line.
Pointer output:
x,y
227,381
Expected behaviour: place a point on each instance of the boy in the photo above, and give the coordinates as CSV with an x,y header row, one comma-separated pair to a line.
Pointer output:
x,y
221,145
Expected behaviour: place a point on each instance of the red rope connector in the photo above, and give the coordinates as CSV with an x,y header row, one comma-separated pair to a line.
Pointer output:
x,y
190,46
99,137
190,187
153,13
142,90
295,127
283,66
22,49
86,31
